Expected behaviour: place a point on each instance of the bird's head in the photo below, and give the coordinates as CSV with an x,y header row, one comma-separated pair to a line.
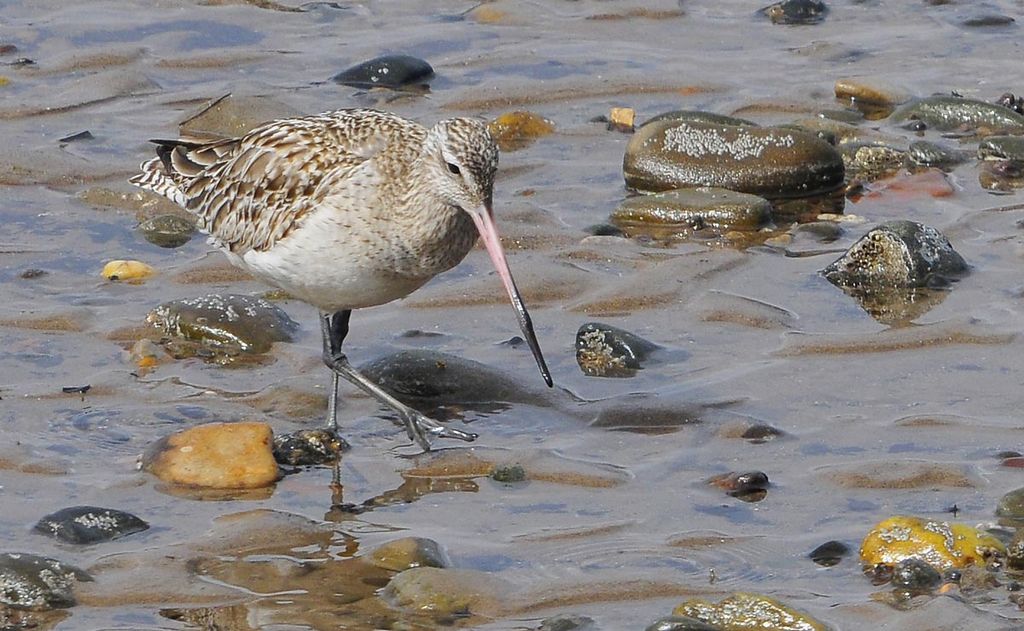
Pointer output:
x,y
463,158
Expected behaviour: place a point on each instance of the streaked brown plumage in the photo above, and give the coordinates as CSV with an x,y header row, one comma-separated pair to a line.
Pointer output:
x,y
345,210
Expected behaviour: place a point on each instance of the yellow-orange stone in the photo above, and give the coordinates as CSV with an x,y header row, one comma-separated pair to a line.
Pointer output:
x,y
127,270
940,544
215,456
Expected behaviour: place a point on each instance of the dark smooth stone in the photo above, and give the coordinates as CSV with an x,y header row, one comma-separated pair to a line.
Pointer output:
x,y
607,351
829,553
308,447
388,71
761,433
228,323
425,376
766,161
987,19
750,486
28,581
947,113
796,12
897,254
89,524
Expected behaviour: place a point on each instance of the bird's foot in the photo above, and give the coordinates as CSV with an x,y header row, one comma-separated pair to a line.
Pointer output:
x,y
424,429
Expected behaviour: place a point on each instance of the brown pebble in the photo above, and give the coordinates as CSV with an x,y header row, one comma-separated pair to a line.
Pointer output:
x,y
216,455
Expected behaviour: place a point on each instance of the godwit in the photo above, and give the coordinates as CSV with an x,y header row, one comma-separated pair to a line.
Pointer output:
x,y
344,210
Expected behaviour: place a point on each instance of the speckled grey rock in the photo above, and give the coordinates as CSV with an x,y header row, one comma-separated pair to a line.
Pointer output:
x,y
387,71
897,254
927,153
765,161
29,581
946,113
89,524
1001,148
915,575
603,350
308,447
229,322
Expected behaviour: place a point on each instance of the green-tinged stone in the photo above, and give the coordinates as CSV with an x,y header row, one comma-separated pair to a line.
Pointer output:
x,y
743,611
946,113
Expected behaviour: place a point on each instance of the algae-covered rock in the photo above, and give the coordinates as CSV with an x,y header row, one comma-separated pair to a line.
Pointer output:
x,y
946,113
941,544
515,130
743,611
897,254
603,350
766,161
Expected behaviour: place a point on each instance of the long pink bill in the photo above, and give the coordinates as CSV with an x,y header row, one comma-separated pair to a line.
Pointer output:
x,y
484,220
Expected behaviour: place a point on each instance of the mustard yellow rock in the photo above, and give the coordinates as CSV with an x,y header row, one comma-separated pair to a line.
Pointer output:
x,y
941,544
515,130
127,270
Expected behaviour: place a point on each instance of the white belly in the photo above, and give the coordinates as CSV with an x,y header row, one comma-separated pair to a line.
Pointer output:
x,y
333,266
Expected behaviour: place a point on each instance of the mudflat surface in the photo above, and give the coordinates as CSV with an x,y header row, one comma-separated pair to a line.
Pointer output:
x,y
877,418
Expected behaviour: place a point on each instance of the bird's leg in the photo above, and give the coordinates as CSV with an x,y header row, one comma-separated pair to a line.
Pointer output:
x,y
419,427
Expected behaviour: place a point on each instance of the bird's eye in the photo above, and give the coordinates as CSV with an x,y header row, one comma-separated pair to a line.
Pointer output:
x,y
453,168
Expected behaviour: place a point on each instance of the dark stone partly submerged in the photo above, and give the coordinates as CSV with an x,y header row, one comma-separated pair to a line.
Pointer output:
x,y
308,447
29,581
897,254
765,161
387,71
89,524
689,209
796,12
229,323
607,351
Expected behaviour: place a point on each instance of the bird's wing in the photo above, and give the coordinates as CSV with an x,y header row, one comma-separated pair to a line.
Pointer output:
x,y
249,192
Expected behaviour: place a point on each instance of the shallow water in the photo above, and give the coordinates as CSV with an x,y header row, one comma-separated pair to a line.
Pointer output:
x,y
756,337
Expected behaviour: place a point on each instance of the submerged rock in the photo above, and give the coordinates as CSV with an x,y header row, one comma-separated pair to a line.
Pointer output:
x,y
228,324
924,153
941,544
681,623
387,71
89,524
750,486
946,113
28,581
603,350
215,456
168,231
681,211
567,622
748,611
233,115
408,552
516,130
871,162
796,12
870,91
897,254
1001,148
446,592
308,447
765,161
437,378
1001,176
